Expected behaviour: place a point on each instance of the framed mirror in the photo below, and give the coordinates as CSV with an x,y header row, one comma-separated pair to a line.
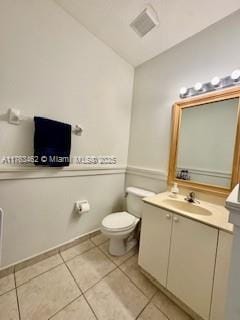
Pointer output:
x,y
205,151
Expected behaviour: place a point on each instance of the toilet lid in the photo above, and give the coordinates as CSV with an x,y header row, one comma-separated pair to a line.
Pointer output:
x,y
119,221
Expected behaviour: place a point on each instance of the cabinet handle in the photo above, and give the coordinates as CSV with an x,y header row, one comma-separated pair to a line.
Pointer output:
x,y
176,219
168,216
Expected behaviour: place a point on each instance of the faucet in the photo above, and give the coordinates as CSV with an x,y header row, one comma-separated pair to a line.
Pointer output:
x,y
191,197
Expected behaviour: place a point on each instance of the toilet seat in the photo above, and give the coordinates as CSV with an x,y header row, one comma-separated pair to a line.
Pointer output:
x,y
119,221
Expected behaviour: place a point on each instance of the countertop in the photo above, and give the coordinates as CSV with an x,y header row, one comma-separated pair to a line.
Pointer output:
x,y
218,218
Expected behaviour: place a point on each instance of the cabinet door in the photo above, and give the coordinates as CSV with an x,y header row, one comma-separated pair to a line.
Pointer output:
x,y
192,263
155,242
221,278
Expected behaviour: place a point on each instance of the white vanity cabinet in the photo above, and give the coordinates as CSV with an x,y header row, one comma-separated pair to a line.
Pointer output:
x,y
155,242
220,287
192,263
189,258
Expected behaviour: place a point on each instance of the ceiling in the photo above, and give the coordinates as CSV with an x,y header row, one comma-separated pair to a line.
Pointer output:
x,y
109,21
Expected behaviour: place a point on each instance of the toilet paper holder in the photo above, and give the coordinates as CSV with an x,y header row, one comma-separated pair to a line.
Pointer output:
x,y
82,206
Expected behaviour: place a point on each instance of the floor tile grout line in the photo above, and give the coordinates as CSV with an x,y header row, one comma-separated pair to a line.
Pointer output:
x,y
16,292
50,269
142,310
98,245
172,302
58,251
158,306
90,306
83,293
102,251
77,255
6,292
69,270
63,262
149,299
115,268
163,312
38,275
133,282
61,256
117,265
65,306
128,258
28,265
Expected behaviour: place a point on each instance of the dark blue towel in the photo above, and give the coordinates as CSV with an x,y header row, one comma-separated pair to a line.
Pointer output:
x,y
52,142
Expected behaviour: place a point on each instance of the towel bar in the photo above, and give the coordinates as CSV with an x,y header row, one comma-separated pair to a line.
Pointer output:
x,y
14,117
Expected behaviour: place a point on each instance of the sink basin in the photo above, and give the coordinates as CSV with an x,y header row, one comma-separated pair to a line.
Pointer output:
x,y
186,206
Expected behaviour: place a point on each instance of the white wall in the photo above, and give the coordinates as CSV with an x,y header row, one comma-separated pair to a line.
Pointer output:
x,y
51,66
214,51
39,212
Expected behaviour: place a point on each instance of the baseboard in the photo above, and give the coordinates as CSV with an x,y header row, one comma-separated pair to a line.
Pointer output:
x,y
46,254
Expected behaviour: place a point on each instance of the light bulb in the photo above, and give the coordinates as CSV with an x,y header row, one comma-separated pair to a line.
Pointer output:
x,y
198,86
215,81
183,91
235,75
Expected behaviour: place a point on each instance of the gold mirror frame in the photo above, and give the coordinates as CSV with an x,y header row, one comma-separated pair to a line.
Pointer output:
x,y
176,122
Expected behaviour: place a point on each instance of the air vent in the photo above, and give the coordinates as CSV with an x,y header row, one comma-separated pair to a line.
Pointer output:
x,y
145,22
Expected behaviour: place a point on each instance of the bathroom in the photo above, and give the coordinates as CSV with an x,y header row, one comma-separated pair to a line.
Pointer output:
x,y
83,64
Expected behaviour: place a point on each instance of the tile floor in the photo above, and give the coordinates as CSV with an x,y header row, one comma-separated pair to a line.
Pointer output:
x,y
84,283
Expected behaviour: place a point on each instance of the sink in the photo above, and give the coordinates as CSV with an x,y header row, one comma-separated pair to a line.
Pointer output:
x,y
186,206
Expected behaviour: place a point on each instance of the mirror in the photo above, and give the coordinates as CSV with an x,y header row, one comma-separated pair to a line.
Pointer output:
x,y
205,142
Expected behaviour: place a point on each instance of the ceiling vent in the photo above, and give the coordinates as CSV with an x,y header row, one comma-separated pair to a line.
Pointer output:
x,y
145,22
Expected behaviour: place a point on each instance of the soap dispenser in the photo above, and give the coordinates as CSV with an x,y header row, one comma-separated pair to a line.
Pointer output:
x,y
174,190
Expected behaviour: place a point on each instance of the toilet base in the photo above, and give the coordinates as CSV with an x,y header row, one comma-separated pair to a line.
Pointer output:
x,y
119,247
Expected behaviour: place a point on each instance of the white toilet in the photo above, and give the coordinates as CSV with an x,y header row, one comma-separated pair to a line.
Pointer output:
x,y
119,227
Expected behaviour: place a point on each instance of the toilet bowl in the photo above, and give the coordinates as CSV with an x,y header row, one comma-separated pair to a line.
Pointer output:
x,y
120,227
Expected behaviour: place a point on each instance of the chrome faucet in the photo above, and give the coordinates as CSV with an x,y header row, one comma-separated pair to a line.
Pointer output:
x,y
191,197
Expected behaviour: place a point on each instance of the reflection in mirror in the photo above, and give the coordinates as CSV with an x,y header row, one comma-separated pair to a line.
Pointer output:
x,y
206,143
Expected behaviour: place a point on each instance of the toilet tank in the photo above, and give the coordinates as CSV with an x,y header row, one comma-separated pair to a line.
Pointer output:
x,y
134,200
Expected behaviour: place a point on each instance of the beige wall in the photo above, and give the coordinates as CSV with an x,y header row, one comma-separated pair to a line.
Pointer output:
x,y
51,66
214,51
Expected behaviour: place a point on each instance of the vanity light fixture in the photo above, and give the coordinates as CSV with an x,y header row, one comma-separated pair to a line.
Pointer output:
x,y
215,84
198,86
215,81
235,75
183,91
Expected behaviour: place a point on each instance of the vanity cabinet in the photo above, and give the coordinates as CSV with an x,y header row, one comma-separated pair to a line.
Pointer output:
x,y
192,263
220,287
155,242
189,258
